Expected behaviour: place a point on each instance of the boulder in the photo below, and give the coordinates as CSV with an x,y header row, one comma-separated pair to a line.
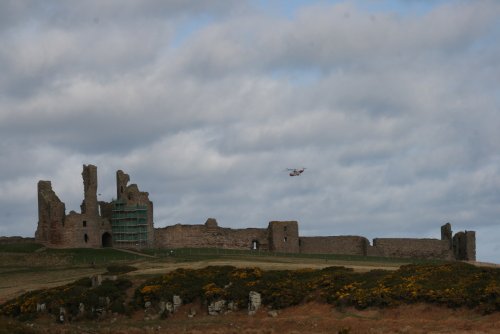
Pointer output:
x,y
217,307
254,302
177,301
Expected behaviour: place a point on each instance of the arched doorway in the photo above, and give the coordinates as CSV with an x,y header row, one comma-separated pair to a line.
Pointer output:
x,y
255,245
107,240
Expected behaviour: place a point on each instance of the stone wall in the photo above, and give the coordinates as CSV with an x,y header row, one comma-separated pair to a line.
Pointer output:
x,y
410,248
84,231
447,234
75,230
349,245
284,236
51,215
210,235
15,240
89,205
464,246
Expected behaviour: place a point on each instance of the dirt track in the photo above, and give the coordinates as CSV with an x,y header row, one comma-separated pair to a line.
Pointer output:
x,y
152,268
306,318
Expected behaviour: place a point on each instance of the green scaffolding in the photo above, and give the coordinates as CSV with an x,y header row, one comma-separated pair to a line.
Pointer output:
x,y
129,225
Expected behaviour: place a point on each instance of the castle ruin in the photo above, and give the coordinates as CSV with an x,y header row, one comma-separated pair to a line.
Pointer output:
x,y
124,222
127,222
283,237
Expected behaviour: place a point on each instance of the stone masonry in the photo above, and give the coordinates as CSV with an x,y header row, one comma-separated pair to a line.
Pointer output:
x,y
283,237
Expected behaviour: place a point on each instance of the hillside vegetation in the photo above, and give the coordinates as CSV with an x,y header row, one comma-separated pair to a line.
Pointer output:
x,y
452,284
35,283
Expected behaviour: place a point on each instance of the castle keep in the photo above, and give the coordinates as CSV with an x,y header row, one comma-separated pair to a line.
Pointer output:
x,y
127,222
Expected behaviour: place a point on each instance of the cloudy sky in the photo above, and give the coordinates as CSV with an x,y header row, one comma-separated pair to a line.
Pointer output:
x,y
393,107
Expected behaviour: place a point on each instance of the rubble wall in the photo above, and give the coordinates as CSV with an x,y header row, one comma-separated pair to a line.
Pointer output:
x,y
210,235
349,245
411,248
51,215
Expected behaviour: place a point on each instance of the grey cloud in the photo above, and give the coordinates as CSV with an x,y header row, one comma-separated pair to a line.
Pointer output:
x,y
394,118
323,37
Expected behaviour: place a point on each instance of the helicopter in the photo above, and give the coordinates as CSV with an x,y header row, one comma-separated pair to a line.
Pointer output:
x,y
295,171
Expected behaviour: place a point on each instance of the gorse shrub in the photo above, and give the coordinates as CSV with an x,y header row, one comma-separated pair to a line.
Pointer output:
x,y
452,284
187,283
69,297
118,269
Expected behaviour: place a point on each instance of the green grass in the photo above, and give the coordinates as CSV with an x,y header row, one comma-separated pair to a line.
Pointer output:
x,y
22,247
78,256
94,255
201,254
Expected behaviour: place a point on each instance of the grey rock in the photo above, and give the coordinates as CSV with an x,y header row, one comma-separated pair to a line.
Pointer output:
x,y
273,313
177,301
217,307
169,307
81,308
254,302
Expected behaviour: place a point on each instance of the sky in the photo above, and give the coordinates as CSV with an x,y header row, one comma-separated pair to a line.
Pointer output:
x,y
392,106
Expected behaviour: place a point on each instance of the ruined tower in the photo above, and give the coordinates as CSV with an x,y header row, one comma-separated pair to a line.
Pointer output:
x,y
51,215
284,236
446,234
89,205
132,215
464,246
122,180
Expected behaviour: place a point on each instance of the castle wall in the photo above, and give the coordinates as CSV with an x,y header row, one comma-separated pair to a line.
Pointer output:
x,y
51,215
210,235
411,248
349,245
16,240
84,231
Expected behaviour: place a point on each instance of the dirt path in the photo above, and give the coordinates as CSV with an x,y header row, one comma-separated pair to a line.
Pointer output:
x,y
159,267
305,318
133,252
14,283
